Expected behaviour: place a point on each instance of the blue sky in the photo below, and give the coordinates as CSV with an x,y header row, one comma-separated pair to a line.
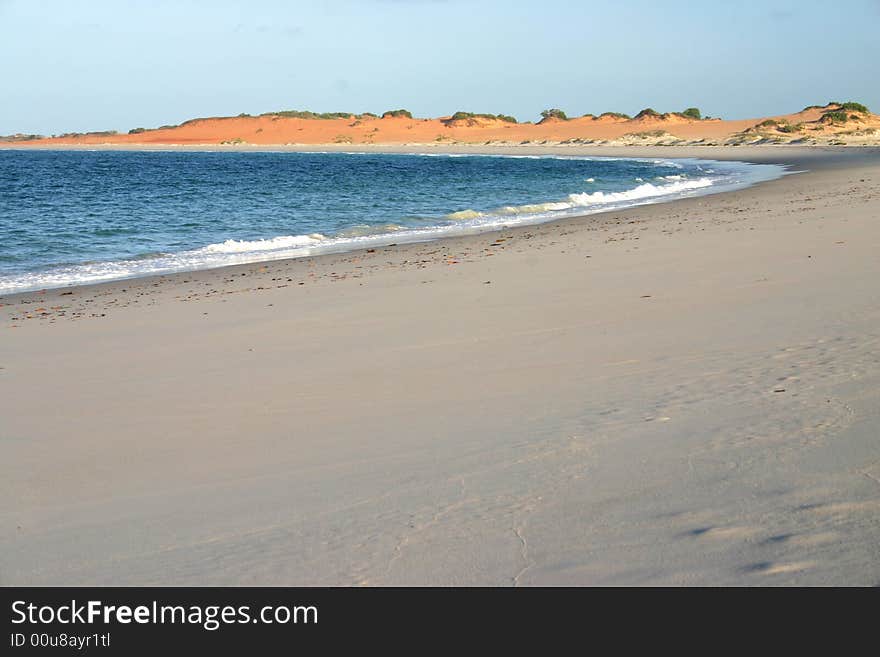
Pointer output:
x,y
95,65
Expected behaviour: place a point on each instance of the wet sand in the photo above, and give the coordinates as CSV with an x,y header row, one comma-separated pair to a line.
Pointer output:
x,y
683,393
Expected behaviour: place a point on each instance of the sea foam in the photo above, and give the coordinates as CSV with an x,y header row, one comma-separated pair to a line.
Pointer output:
x,y
587,200
271,244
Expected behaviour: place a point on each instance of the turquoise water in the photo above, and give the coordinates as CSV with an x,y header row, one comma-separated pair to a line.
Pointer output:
x,y
72,217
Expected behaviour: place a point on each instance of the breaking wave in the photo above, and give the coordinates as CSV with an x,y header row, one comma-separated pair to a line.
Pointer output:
x,y
590,199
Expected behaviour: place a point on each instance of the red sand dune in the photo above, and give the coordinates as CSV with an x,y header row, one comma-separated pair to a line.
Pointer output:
x,y
273,129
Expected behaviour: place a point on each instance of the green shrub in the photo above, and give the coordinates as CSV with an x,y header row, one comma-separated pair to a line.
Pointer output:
x,y
22,137
769,123
646,134
198,119
854,107
834,116
306,114
460,116
791,127
136,131
554,113
692,113
615,115
648,112
396,114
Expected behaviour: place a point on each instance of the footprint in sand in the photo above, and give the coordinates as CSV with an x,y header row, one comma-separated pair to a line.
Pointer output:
x,y
843,507
802,540
723,533
771,568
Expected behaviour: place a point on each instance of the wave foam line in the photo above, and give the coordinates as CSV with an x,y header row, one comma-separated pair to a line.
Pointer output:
x,y
271,244
588,199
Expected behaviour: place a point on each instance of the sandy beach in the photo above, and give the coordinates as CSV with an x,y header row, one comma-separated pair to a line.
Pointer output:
x,y
685,393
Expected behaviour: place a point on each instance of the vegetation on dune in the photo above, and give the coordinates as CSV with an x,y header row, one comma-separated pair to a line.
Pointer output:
x,y
206,118
21,137
554,113
137,131
781,126
834,116
646,134
648,112
77,135
397,114
843,113
850,106
791,127
464,116
306,114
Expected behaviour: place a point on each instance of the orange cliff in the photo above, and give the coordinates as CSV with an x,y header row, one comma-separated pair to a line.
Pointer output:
x,y
826,124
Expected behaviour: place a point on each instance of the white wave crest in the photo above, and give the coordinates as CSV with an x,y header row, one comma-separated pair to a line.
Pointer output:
x,y
271,244
645,190
464,215
588,199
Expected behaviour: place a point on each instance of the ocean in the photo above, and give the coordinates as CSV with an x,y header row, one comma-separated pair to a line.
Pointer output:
x,y
74,217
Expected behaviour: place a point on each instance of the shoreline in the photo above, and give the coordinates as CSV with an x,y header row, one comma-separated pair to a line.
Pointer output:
x,y
769,153
798,156
676,393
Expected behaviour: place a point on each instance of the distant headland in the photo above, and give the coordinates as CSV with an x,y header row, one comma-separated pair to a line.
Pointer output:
x,y
835,123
